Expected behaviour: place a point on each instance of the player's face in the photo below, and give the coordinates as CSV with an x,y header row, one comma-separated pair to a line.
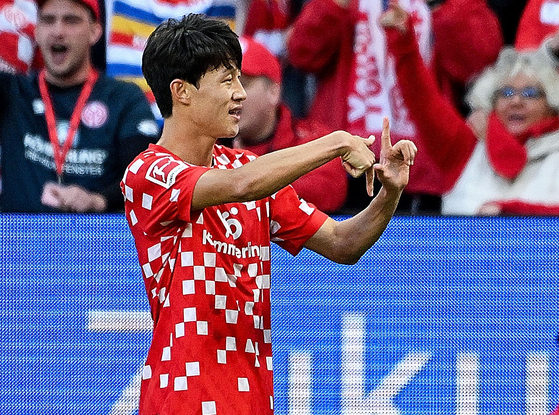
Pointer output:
x,y
217,103
65,33
521,103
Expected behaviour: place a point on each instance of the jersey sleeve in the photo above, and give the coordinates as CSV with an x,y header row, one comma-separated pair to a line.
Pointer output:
x,y
158,191
293,221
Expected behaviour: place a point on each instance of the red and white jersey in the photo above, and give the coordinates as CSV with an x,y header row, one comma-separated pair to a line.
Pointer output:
x,y
207,277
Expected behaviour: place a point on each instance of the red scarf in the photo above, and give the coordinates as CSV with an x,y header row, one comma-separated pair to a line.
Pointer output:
x,y
507,152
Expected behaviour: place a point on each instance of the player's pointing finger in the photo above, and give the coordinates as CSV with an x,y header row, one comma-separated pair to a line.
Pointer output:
x,y
385,142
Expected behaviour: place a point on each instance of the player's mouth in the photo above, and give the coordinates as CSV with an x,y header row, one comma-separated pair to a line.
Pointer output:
x,y
236,112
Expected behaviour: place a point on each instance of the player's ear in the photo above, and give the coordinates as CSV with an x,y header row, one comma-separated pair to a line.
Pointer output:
x,y
181,91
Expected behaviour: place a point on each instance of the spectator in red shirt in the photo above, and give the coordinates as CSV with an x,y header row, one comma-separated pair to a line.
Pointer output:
x,y
267,125
510,167
339,41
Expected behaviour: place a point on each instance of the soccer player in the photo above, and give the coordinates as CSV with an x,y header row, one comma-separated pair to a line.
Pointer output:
x,y
203,216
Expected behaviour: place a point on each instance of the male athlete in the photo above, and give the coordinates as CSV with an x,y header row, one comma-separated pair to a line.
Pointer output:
x,y
203,216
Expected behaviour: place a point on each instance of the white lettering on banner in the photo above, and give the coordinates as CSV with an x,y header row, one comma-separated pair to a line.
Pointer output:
x,y
353,398
467,388
374,92
300,383
368,101
380,400
537,383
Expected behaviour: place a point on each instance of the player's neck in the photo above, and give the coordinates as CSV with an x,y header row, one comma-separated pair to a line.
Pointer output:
x,y
190,147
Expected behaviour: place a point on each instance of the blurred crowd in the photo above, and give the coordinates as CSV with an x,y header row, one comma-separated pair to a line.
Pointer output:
x,y
474,83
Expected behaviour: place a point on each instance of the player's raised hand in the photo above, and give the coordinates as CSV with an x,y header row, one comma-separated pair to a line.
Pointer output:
x,y
393,167
358,158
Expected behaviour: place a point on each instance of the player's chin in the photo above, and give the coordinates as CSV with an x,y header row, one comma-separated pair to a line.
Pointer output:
x,y
232,131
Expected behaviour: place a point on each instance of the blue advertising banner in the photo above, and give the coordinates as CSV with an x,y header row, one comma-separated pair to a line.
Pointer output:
x,y
442,316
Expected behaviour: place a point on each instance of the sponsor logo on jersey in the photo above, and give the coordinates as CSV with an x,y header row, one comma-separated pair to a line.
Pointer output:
x,y
232,226
247,251
95,114
164,171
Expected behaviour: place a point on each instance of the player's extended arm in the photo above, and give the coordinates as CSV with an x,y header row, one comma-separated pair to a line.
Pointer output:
x,y
267,174
346,241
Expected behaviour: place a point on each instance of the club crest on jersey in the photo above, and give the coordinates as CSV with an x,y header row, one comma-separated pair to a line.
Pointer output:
x,y
95,114
164,171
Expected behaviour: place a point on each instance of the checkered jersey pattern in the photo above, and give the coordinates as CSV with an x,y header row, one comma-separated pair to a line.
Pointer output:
x,y
207,277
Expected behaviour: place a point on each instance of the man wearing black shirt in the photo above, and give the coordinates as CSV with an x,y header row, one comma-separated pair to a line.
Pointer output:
x,y
68,132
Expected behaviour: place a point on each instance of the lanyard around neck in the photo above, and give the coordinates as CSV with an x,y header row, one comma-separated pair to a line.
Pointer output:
x,y
59,151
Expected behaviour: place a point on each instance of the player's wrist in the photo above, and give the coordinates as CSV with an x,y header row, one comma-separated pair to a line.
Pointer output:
x,y
342,143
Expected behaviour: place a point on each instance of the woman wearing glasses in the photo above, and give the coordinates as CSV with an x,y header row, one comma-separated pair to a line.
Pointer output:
x,y
510,163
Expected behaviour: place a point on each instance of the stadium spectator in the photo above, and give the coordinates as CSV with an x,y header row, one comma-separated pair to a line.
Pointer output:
x,y
512,166
203,217
267,125
268,22
354,91
68,132
355,88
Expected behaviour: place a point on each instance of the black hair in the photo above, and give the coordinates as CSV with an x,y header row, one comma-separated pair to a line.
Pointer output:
x,y
186,49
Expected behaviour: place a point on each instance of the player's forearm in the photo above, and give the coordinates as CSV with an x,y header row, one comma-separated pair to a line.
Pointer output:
x,y
267,174
365,228
345,242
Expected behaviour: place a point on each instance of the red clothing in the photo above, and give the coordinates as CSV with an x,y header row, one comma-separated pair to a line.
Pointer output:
x,y
454,147
555,411
313,46
539,20
446,135
325,187
266,15
207,276
456,57
329,55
